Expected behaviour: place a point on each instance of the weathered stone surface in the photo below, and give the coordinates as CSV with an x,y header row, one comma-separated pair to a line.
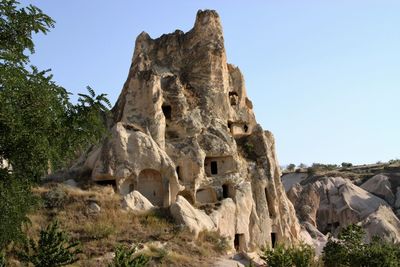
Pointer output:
x,y
136,202
331,203
383,223
184,131
380,186
397,203
94,207
196,220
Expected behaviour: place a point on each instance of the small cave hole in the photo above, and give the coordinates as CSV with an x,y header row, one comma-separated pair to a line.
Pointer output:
x,y
273,240
178,172
225,191
167,110
230,126
214,167
239,242
245,128
233,98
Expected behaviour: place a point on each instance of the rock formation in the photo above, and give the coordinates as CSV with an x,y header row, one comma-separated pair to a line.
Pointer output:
x,y
331,203
184,135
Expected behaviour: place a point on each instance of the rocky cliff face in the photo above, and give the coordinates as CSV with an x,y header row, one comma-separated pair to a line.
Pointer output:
x,y
184,135
328,204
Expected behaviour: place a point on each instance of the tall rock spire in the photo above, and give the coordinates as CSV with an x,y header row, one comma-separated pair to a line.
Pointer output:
x,y
185,133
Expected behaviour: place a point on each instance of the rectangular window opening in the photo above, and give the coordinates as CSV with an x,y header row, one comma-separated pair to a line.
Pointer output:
x,y
214,167
167,110
273,240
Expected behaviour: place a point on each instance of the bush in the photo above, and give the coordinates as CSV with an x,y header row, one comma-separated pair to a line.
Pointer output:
x,y
125,257
53,249
2,260
350,250
55,198
347,164
278,257
290,167
300,256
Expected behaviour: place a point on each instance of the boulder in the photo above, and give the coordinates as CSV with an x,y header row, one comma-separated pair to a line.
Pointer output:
x,y
382,223
196,220
93,207
380,186
136,202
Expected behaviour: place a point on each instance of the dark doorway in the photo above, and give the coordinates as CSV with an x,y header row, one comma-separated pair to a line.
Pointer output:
x,y
178,172
245,128
273,240
239,241
230,126
167,110
225,191
214,167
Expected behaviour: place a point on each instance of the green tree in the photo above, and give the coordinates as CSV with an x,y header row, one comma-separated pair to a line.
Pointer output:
x,y
277,257
39,127
291,167
53,249
126,258
350,250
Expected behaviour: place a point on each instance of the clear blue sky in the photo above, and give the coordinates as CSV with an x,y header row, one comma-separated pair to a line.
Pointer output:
x,y
324,76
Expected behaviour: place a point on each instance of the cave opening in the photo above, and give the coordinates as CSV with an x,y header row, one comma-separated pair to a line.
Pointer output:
x,y
214,167
167,110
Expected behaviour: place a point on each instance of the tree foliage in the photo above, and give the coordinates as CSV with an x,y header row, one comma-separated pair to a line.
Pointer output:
x,y
53,249
15,202
298,256
125,257
350,250
40,129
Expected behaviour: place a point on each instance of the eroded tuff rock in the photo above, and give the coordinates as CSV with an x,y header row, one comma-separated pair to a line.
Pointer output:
x,y
184,133
331,203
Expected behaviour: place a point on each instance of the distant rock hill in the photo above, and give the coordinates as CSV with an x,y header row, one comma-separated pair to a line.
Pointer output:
x,y
327,199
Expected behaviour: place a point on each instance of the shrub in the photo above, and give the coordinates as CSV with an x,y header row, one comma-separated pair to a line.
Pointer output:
x,y
346,164
54,248
299,256
278,257
55,198
350,250
2,260
291,167
302,256
125,257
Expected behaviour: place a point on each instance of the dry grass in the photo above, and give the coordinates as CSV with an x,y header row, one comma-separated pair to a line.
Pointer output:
x,y
99,233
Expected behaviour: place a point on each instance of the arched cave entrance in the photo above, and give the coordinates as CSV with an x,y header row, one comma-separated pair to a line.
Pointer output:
x,y
150,185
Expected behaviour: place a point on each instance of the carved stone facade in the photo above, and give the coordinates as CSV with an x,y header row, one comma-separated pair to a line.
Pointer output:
x,y
183,125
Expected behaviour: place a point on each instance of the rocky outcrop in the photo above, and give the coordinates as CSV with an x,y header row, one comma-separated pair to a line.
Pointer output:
x,y
382,223
185,214
184,135
380,186
329,204
136,202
